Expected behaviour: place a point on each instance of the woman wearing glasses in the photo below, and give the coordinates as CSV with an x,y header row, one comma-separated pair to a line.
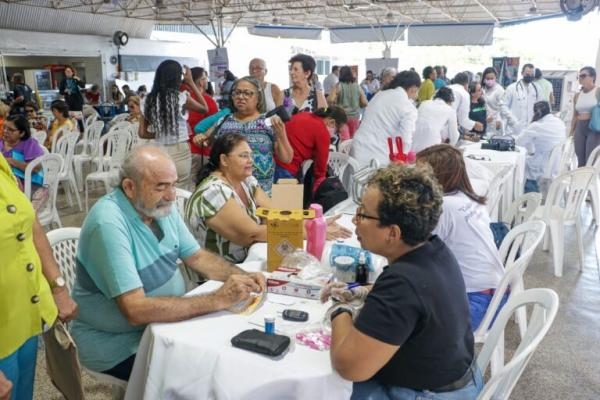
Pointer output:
x,y
266,136
586,140
222,211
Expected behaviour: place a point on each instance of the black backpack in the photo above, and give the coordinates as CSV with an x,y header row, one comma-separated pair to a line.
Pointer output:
x,y
329,193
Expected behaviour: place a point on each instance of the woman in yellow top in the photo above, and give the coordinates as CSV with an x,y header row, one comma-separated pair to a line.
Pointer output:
x,y
32,292
60,111
427,88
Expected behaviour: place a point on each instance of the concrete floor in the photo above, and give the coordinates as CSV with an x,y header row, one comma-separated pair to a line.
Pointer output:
x,y
564,366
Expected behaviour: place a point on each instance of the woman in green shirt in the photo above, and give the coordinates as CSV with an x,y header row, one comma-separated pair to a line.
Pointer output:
x,y
427,88
348,95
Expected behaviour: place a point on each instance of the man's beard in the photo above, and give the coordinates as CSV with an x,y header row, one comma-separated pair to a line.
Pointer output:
x,y
162,209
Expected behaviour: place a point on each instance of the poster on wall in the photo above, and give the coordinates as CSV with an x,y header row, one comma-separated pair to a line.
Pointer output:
x,y
508,69
218,62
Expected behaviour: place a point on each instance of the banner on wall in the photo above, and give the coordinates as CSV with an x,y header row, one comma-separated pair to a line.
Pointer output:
x,y
218,62
507,68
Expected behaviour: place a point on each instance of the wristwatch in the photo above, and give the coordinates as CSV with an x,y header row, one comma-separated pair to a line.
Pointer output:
x,y
58,283
339,311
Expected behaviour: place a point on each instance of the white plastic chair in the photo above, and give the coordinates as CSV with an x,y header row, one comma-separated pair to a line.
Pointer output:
x,y
40,136
515,252
339,163
345,146
181,198
563,208
51,165
135,136
562,159
497,194
94,132
594,161
118,118
117,148
60,132
64,242
522,209
65,146
544,303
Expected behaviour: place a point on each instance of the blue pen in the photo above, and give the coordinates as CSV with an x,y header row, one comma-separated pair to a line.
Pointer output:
x,y
352,285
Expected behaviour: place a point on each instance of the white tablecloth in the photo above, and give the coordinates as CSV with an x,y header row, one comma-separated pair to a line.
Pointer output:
x,y
497,161
195,359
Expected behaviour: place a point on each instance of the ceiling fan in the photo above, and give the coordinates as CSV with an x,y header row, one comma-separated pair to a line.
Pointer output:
x,y
575,9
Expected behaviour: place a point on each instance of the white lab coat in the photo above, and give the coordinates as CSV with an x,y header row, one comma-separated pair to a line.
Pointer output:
x,y
436,122
494,102
462,106
539,138
519,99
389,114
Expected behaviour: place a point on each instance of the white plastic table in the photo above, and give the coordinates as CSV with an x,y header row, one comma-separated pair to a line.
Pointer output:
x,y
195,359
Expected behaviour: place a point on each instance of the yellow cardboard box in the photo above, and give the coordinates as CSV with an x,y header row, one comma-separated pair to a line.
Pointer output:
x,y
284,232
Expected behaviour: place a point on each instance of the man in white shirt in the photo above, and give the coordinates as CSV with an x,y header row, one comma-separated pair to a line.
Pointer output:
x,y
519,99
370,85
436,122
331,80
462,102
389,114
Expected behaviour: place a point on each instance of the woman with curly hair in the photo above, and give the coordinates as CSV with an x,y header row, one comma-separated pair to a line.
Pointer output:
x,y
166,111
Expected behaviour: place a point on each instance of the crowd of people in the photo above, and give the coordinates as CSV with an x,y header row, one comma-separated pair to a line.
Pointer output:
x,y
414,333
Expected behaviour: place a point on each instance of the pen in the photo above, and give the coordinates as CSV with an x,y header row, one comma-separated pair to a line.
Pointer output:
x,y
352,285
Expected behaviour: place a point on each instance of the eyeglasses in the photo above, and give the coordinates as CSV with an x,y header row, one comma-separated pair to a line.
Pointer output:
x,y
245,155
583,76
243,93
360,216
9,129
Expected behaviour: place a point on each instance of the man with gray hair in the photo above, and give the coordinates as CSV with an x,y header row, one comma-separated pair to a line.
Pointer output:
x,y
127,273
387,76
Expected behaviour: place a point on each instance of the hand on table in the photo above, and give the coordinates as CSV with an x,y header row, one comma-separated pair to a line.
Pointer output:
x,y
67,308
259,279
237,288
336,231
339,291
5,387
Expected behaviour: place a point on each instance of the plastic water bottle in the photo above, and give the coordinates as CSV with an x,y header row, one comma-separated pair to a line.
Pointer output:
x,y
316,232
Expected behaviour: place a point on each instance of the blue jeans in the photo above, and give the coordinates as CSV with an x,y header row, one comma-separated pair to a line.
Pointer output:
x,y
281,173
531,185
478,305
19,368
371,390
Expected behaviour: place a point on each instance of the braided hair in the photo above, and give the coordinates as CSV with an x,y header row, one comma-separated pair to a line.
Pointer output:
x,y
162,103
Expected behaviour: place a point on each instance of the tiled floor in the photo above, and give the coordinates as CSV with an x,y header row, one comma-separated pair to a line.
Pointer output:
x,y
566,364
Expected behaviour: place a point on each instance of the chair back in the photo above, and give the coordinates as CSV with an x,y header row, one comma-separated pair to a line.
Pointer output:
x,y
522,209
544,303
181,198
118,118
91,117
360,179
51,167
515,252
65,146
40,136
119,148
135,136
568,192
60,132
496,190
594,159
339,163
94,133
345,146
64,243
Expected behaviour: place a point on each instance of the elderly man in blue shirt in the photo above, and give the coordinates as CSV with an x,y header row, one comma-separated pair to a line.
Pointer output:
x,y
127,272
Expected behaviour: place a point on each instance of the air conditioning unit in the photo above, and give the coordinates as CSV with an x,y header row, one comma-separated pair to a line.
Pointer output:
x,y
564,85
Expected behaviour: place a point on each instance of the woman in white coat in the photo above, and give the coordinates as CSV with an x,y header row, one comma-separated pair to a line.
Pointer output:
x,y
493,94
436,121
539,138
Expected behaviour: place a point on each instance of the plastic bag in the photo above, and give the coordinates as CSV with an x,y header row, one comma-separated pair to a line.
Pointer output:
x,y
310,268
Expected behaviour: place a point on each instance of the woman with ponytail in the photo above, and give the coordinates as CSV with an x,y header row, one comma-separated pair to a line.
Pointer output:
x,y
221,213
166,111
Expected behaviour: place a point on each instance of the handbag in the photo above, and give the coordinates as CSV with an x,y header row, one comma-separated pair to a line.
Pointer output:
x,y
260,342
595,113
500,143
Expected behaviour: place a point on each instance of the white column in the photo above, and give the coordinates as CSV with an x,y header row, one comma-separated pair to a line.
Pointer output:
x,y
598,57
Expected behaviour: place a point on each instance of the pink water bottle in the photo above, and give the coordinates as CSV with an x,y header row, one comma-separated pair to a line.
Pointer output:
x,y
316,232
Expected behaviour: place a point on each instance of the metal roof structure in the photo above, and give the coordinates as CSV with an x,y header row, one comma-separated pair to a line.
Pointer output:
x,y
308,13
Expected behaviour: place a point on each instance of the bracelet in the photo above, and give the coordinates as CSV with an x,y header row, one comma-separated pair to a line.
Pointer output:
x,y
339,311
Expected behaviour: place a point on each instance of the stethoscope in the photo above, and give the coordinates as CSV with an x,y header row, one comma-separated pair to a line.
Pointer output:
x,y
525,93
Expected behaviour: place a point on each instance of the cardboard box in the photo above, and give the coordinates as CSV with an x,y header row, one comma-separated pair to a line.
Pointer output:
x,y
284,281
287,194
284,233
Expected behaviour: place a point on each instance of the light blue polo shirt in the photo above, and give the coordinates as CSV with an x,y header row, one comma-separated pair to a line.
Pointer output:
x,y
118,253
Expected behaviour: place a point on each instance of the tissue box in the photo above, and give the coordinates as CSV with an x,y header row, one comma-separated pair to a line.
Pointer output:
x,y
284,281
284,233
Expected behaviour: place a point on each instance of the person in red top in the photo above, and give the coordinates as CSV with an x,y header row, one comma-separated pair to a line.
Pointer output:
x,y
310,135
92,96
199,154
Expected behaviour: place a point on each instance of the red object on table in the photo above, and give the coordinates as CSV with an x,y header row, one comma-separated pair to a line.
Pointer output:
x,y
400,157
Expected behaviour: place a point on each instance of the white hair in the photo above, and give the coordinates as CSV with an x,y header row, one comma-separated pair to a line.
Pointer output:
x,y
136,162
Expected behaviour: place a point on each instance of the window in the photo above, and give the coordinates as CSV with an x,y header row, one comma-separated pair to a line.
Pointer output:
x,y
323,66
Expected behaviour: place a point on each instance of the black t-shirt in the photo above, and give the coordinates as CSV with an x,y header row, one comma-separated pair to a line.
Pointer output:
x,y
478,113
24,91
420,304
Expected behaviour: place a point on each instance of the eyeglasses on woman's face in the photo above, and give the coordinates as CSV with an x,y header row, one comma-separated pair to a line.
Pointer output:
x,y
360,216
246,94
